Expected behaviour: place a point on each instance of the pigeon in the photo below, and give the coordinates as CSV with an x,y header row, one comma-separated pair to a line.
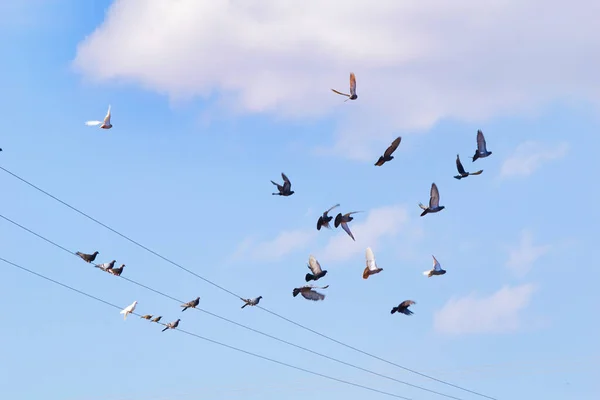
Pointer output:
x,y
103,124
128,310
88,257
172,325
352,95
106,266
481,151
147,316
387,156
117,271
434,201
190,304
251,302
461,170
325,219
403,307
371,267
284,190
156,319
308,293
315,268
343,220
436,270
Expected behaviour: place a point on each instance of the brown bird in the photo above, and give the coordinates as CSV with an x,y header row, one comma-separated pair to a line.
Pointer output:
x,y
157,318
117,271
352,95
315,268
309,293
461,170
88,257
191,304
284,190
325,219
343,220
387,156
403,307
147,316
371,267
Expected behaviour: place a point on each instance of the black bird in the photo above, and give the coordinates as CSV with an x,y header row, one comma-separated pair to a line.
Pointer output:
x,y
315,268
172,325
481,151
325,219
352,95
117,271
403,307
309,293
387,156
190,304
87,257
343,220
284,190
461,170
157,318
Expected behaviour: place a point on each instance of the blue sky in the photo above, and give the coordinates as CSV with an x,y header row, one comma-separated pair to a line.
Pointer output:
x,y
204,116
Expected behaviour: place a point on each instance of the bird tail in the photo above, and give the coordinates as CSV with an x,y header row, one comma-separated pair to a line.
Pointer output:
x,y
366,273
394,310
295,292
93,123
476,173
424,212
166,327
244,305
184,308
427,273
309,277
458,177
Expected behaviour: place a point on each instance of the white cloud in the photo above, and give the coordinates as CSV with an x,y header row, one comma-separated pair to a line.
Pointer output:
x,y
415,62
525,254
529,156
283,244
498,313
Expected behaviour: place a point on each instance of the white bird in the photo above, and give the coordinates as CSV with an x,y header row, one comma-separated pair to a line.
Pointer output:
x,y
436,270
103,124
128,310
371,267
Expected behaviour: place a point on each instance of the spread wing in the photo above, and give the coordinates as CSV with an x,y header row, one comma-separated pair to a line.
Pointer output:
x,y
406,303
352,83
312,295
390,150
371,264
343,94
285,178
434,196
481,145
107,117
347,229
314,265
459,166
436,264
92,123
337,205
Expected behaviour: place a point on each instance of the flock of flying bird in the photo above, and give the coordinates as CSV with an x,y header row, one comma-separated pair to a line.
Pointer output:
x,y
309,291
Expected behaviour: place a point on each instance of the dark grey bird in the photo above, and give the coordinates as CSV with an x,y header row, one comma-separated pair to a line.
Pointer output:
x,y
251,302
461,170
481,151
286,189
172,325
88,257
403,307
157,318
352,95
309,293
117,271
325,219
315,268
191,304
147,316
387,156
434,201
106,266
343,220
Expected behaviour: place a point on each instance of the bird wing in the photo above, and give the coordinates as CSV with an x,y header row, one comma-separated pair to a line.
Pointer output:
x,y
338,92
476,173
371,264
314,265
285,178
392,148
459,166
352,83
422,206
312,295
434,196
279,187
92,123
347,229
350,213
337,205
436,264
407,303
481,145
107,117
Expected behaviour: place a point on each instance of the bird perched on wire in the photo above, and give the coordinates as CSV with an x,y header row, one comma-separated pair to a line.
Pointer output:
x,y
387,156
371,267
106,266
315,268
325,219
309,292
343,220
461,170
147,316
156,319
88,257
251,302
352,95
128,310
403,307
436,270
191,304
286,189
103,124
434,201
482,150
117,271
172,325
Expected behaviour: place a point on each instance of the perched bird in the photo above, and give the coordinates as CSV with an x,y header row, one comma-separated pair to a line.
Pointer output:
x,y
461,170
88,257
387,156
284,190
315,268
352,95
117,271
147,316
481,151
324,219
403,307
309,293
103,124
156,319
343,220
434,201
191,304
436,270
172,325
106,266
128,310
371,267
251,302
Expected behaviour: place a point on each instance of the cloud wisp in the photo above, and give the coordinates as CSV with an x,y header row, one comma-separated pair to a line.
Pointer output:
x,y
529,156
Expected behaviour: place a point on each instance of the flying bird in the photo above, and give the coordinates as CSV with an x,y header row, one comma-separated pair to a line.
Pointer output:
x,y
106,266
88,257
371,267
147,316
284,190
481,151
309,293
191,304
403,307
103,124
156,319
387,156
352,95
117,271
461,170
343,220
172,325
436,270
434,201
325,219
128,310
315,268
251,302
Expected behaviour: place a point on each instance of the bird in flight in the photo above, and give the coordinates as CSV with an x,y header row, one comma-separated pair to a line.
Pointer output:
x,y
103,124
387,155
87,257
352,95
284,190
309,292
325,219
461,170
251,302
343,220
315,268
371,267
434,202
481,151
436,270
403,307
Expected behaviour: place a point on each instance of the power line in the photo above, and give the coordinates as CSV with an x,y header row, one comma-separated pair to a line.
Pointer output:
x,y
237,323
234,294
207,339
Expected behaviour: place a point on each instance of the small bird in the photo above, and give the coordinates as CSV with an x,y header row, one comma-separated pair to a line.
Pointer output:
x,y
343,220
172,325
387,156
315,268
284,190
436,270
403,307
88,257
156,319
117,271
147,316
251,302
309,293
371,267
434,201
461,170
352,95
106,266
103,124
324,219
128,310
191,304
481,151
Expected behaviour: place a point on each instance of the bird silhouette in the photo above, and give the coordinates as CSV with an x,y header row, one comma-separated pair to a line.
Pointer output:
x,y
403,307
325,219
434,201
481,151
343,220
88,257
284,190
309,292
387,156
461,170
352,95
156,319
